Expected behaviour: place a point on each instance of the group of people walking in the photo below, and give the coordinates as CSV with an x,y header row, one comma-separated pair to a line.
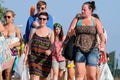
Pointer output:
x,y
44,43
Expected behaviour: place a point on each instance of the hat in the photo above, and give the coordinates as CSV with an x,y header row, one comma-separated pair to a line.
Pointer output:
x,y
57,25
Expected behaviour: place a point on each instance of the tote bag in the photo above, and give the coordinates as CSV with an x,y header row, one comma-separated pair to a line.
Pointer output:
x,y
25,73
69,48
6,59
105,73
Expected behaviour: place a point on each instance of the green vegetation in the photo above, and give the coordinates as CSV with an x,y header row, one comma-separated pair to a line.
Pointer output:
x,y
2,11
111,63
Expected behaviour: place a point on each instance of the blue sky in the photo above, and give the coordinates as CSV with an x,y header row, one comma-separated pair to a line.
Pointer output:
x,y
64,11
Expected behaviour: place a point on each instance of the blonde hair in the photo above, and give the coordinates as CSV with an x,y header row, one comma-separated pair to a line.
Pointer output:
x,y
12,12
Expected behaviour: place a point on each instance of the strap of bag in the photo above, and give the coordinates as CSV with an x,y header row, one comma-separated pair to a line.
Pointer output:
x,y
16,30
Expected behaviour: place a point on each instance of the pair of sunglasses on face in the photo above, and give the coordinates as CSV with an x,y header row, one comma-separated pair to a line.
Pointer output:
x,y
39,7
7,17
42,19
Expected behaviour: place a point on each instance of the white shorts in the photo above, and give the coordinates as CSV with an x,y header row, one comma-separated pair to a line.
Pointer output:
x,y
60,65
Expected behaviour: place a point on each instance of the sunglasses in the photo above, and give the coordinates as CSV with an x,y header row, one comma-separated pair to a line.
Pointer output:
x,y
42,19
42,8
7,17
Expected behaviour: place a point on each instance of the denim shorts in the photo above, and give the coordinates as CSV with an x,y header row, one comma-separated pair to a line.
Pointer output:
x,y
90,59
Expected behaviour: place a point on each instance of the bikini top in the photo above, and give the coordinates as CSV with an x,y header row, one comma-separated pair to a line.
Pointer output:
x,y
81,29
10,37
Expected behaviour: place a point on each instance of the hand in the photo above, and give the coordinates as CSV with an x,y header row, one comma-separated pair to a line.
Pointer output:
x,y
70,34
59,54
26,49
102,47
10,46
47,52
35,24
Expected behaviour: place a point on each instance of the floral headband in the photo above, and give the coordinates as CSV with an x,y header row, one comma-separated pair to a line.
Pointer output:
x,y
57,25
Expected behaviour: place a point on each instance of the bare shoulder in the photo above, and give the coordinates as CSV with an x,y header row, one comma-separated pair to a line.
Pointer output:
x,y
78,15
96,21
64,37
17,28
50,32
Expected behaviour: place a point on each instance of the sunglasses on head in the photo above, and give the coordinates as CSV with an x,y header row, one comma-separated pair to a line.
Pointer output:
x,y
7,17
42,19
42,8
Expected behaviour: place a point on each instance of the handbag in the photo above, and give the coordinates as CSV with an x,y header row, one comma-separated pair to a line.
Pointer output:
x,y
105,72
69,48
14,51
25,73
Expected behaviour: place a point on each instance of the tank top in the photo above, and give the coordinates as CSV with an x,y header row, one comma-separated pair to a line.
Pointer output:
x,y
85,36
58,46
40,44
10,38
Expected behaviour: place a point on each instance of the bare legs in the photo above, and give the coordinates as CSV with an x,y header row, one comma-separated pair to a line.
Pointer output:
x,y
34,77
1,76
58,74
71,73
98,73
91,72
80,70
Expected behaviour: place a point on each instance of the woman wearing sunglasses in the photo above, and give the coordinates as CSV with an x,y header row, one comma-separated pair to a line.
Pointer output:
x,y
11,32
39,48
87,55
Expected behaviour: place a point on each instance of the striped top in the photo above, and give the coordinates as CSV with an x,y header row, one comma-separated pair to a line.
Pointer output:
x,y
40,44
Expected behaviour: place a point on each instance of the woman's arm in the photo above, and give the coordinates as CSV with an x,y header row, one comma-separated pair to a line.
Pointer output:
x,y
61,48
27,45
33,30
101,34
72,26
48,52
1,27
70,31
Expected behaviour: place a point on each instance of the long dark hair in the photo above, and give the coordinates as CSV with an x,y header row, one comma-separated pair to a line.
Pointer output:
x,y
61,32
